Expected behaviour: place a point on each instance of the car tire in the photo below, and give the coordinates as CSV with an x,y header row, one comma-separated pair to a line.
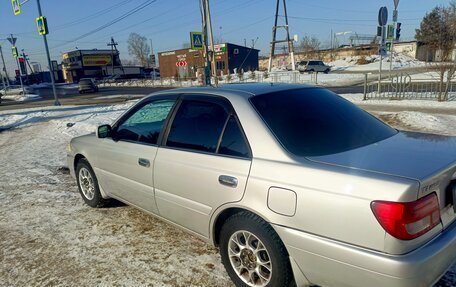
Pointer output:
x,y
253,254
326,71
88,185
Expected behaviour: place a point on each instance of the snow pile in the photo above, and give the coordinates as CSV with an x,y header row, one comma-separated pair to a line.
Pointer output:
x,y
406,103
351,63
85,118
20,97
421,122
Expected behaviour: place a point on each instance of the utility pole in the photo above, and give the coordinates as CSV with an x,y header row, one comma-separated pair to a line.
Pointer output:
x,y
211,43
152,60
113,46
25,67
51,70
287,40
4,66
208,41
395,15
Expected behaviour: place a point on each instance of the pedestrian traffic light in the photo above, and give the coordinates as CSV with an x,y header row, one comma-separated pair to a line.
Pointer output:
x,y
14,51
22,66
398,31
16,7
42,26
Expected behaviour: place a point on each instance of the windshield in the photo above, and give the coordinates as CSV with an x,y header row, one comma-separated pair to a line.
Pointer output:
x,y
314,122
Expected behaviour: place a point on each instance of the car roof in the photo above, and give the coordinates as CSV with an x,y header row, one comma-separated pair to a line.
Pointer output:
x,y
245,89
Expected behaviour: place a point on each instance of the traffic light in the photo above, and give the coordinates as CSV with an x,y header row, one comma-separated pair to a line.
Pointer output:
x,y
22,66
398,31
14,51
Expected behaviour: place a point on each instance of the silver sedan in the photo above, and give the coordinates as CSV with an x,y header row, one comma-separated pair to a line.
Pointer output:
x,y
293,183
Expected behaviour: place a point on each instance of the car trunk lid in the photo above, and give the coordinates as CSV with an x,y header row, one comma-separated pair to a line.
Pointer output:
x,y
429,159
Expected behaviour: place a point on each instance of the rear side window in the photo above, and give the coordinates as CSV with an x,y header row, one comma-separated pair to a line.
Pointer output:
x,y
314,122
233,141
198,126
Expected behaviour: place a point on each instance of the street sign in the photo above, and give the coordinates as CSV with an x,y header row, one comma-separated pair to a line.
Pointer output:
x,y
16,7
390,33
395,16
181,64
382,16
41,24
396,3
14,52
12,40
196,40
382,50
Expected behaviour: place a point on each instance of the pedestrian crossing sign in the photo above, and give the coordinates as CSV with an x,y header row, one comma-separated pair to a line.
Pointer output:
x,y
196,40
41,24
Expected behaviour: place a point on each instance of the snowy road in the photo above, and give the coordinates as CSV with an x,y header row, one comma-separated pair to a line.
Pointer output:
x,y
49,237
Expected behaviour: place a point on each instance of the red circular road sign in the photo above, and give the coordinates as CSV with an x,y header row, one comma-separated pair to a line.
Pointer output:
x,y
181,64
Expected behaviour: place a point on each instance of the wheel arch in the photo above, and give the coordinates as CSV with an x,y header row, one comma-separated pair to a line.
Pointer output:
x,y
223,215
77,158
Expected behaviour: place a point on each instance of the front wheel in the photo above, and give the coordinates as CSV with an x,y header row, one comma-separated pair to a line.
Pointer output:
x,y
88,185
253,254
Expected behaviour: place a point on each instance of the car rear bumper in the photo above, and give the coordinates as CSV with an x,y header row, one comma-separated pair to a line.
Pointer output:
x,y
330,263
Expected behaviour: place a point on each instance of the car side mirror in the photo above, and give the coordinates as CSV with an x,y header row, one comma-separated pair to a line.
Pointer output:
x,y
104,131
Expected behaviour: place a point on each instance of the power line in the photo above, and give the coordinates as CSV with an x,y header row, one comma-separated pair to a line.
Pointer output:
x,y
110,23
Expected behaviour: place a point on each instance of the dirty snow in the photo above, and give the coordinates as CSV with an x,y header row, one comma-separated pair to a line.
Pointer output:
x,y
49,237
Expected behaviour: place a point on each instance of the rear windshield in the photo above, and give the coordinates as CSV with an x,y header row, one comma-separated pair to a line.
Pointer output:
x,y
85,81
315,122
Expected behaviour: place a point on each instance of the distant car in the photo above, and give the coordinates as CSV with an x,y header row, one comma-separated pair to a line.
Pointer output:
x,y
87,85
293,183
312,66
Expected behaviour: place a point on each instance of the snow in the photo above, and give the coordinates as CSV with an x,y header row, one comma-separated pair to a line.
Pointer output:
x,y
50,237
358,99
21,98
351,63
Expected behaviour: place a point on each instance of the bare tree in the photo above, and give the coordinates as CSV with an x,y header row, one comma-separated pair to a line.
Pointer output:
x,y
438,33
138,48
310,44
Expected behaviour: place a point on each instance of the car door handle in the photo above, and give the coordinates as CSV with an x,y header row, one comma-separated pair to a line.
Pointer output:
x,y
228,180
144,162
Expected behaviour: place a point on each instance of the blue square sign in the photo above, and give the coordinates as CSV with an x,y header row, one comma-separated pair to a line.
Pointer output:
x,y
196,40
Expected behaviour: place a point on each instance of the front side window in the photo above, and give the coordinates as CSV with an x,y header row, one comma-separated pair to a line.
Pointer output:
x,y
146,123
197,126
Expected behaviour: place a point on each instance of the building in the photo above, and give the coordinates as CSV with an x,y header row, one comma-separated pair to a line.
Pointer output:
x,y
88,64
229,57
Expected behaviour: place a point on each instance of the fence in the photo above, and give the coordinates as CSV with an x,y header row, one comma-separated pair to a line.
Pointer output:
x,y
393,86
404,86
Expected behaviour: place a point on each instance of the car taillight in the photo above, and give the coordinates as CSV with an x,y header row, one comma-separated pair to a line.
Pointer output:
x,y
408,220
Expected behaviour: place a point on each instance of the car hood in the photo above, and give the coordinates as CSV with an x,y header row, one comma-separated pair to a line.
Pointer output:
x,y
406,154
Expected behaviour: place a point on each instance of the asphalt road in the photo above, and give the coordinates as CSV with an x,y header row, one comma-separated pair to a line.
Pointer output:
x,y
109,95
67,96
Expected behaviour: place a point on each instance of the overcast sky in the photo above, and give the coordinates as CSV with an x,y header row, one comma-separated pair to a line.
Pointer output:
x,y
168,22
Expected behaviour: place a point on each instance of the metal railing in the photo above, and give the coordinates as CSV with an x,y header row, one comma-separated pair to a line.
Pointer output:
x,y
403,86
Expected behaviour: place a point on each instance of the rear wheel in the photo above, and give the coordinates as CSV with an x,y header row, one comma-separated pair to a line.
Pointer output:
x,y
253,254
88,185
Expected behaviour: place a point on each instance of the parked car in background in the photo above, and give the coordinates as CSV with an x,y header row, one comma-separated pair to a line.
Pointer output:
x,y
87,85
312,66
292,183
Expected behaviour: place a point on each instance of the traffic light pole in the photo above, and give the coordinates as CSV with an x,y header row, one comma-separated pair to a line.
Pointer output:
x,y
20,76
51,70
18,67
